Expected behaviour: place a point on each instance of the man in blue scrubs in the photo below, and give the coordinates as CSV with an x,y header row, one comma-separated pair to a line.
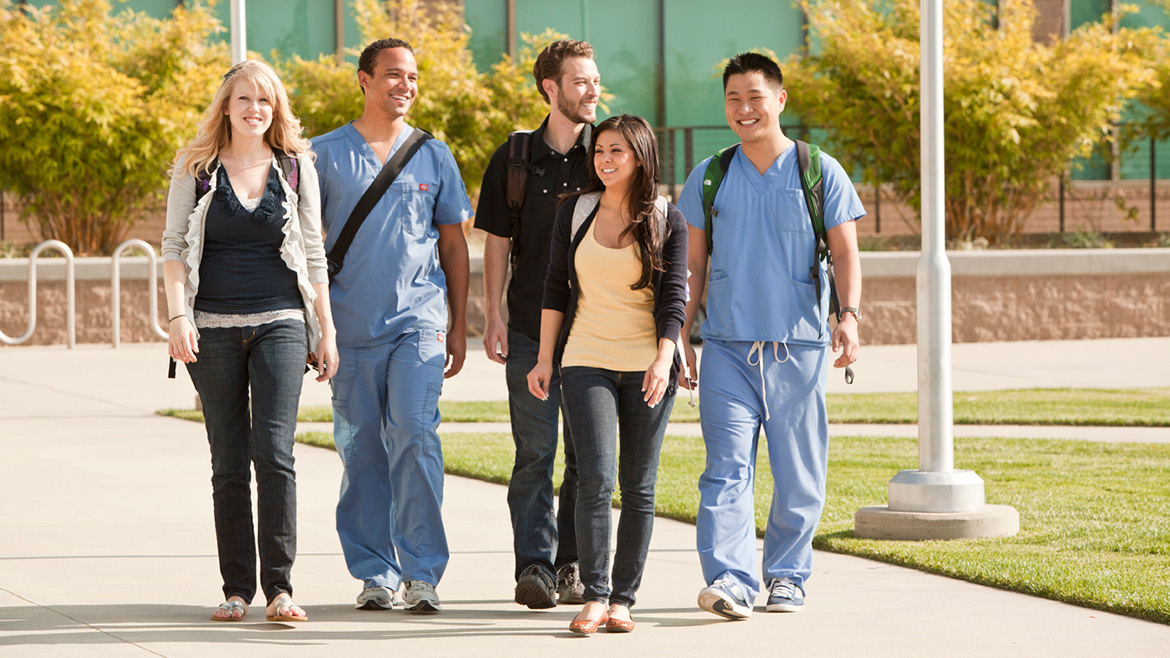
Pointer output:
x,y
766,345
390,304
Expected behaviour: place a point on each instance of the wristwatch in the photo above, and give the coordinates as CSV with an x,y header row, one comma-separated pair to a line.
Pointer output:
x,y
849,309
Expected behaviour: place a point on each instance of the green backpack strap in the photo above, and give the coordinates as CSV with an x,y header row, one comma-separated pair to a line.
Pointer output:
x,y
712,178
808,159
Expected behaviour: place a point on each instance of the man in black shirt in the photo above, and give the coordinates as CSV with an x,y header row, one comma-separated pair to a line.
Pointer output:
x,y
550,161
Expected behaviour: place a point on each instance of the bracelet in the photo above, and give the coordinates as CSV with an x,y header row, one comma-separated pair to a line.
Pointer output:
x,y
181,315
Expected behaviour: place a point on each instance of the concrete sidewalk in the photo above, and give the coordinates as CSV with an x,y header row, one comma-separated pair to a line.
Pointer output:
x,y
107,546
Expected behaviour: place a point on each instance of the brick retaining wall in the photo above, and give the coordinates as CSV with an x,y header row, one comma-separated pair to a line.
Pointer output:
x,y
996,296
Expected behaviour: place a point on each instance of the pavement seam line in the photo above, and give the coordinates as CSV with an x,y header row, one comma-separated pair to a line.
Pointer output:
x,y
87,625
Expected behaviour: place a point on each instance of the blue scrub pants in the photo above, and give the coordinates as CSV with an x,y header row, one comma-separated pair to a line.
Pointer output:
x,y
731,398
385,413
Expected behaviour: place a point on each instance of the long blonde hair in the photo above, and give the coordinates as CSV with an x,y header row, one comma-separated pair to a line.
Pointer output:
x,y
214,132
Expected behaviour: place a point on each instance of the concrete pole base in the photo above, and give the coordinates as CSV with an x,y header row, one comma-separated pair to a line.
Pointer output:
x,y
879,522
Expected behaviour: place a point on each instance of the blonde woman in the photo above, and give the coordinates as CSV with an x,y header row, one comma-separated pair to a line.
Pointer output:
x,y
248,296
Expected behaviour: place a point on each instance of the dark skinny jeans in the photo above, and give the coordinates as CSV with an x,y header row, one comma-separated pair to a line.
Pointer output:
x,y
606,412
269,362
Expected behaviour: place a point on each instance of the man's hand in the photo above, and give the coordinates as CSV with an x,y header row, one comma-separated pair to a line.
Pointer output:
x,y
692,382
456,352
845,341
495,340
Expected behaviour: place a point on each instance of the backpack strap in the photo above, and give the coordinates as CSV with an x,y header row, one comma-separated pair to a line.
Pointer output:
x,y
290,168
808,159
586,204
712,178
519,167
203,179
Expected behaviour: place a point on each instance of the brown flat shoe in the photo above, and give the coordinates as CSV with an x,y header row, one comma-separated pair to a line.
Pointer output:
x,y
587,626
619,625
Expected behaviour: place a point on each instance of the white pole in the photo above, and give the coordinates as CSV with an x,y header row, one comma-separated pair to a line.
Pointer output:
x,y
935,409
935,486
239,33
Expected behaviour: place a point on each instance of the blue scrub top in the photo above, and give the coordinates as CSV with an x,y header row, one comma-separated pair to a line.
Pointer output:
x,y
391,282
763,247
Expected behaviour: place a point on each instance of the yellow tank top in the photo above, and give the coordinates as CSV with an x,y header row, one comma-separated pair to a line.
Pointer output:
x,y
614,326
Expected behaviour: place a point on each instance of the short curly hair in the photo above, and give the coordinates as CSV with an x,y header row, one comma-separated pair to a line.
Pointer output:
x,y
370,54
549,62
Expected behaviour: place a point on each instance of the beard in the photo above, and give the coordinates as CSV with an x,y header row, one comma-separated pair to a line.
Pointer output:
x,y
571,111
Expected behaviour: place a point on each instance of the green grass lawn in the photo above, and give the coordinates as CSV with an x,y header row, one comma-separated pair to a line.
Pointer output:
x,y
1148,407
1094,517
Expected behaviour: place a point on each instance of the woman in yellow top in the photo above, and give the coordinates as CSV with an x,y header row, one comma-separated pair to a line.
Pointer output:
x,y
614,303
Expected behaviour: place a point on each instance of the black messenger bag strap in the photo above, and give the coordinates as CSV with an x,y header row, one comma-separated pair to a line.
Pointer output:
x,y
373,194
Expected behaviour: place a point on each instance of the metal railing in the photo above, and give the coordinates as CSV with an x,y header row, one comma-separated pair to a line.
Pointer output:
x,y
70,291
70,309
116,289
669,136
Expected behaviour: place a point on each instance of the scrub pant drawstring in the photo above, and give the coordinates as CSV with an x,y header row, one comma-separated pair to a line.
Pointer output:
x,y
757,350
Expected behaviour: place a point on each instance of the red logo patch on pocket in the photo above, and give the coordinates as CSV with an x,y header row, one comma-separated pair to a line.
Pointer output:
x,y
440,336
423,187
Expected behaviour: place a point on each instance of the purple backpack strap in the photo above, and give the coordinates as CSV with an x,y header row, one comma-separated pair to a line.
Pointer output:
x,y
291,169
203,180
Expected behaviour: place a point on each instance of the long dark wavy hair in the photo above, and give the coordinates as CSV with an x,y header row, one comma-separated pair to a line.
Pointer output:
x,y
649,229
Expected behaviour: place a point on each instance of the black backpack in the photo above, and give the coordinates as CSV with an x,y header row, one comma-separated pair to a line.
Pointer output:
x,y
519,167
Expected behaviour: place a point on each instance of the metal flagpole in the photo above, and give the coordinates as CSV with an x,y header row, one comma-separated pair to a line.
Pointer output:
x,y
239,33
935,501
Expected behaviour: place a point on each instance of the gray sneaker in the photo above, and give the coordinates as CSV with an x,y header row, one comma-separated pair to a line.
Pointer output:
x,y
785,596
535,589
570,589
375,598
726,598
420,597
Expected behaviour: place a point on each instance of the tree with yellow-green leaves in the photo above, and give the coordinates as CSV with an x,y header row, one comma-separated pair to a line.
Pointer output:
x,y
471,111
93,106
1016,111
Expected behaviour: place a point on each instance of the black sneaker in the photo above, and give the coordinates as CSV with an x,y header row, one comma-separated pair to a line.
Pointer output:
x,y
535,588
570,589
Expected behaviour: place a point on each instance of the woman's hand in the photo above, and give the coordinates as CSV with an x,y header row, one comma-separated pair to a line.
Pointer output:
x,y
328,362
657,380
182,344
538,379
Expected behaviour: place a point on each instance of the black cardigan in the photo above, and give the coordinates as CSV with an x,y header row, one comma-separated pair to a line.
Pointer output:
x,y
670,286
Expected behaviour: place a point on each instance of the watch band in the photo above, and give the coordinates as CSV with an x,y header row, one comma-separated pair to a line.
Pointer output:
x,y
849,309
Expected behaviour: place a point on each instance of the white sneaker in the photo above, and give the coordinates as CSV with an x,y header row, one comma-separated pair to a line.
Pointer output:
x,y
726,598
375,598
420,597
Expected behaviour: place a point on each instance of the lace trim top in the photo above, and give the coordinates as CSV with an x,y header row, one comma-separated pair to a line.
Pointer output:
x,y
261,214
206,320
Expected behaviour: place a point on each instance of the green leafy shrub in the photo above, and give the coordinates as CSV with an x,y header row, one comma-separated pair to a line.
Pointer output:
x,y
472,112
1016,111
93,106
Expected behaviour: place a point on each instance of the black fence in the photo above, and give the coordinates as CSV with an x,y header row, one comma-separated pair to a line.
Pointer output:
x,y
682,147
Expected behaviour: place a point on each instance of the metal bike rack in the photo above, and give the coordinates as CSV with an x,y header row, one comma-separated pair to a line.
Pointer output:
x,y
116,288
70,312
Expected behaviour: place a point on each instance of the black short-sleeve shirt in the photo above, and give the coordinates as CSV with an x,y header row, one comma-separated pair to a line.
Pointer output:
x,y
556,174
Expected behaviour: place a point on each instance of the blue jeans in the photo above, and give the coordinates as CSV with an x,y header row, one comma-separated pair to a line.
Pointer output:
x,y
268,361
538,538
385,416
600,404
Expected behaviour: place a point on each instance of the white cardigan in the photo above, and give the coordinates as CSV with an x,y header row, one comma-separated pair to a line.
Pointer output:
x,y
303,249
